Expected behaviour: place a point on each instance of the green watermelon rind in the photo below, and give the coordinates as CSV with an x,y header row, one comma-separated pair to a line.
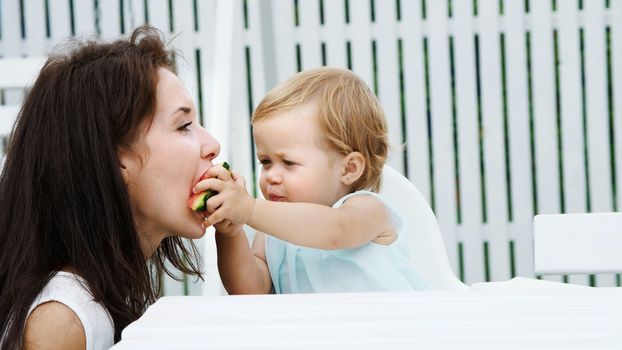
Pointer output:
x,y
199,203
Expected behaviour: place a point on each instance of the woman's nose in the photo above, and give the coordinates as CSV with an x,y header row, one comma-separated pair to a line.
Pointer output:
x,y
210,147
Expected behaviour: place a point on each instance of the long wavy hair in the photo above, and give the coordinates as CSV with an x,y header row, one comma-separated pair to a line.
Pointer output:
x,y
63,201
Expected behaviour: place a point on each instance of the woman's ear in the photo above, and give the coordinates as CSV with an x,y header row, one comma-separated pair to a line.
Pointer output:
x,y
126,158
353,167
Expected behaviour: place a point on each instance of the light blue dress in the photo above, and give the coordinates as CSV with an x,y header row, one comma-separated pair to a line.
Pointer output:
x,y
368,268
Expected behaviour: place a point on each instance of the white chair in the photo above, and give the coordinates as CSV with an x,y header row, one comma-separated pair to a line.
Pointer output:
x,y
426,244
16,75
578,243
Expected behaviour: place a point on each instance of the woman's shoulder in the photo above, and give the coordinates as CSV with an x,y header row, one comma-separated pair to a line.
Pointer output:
x,y
53,325
68,295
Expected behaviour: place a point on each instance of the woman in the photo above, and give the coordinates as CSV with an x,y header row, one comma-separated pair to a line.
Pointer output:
x,y
101,162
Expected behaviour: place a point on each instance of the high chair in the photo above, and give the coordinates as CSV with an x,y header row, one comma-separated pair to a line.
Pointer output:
x,y
427,249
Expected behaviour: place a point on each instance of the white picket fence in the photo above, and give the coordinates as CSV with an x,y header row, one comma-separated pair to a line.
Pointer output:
x,y
507,108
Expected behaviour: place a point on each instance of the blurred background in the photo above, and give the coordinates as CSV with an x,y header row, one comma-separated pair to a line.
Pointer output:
x,y
497,109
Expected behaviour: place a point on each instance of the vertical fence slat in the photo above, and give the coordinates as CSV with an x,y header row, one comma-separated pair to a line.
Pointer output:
x,y
261,59
493,141
109,20
599,161
11,39
84,17
284,42
544,115
159,14
134,14
35,28
263,73
616,61
205,41
184,42
518,138
169,285
13,46
573,160
415,95
227,63
60,22
442,128
309,17
468,141
360,39
596,106
543,104
262,49
334,33
388,78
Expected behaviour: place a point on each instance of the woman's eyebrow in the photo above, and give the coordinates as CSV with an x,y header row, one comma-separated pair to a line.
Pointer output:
x,y
185,110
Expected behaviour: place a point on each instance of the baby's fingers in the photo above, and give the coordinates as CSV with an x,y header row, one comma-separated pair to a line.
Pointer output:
x,y
208,184
239,179
213,219
213,203
218,171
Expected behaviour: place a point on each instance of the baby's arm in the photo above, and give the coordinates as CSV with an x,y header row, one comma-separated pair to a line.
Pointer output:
x,y
361,219
242,271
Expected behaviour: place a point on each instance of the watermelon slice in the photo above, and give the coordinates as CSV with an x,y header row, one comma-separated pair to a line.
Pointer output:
x,y
196,202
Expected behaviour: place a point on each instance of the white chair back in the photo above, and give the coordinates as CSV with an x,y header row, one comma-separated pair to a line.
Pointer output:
x,y
578,243
17,74
426,244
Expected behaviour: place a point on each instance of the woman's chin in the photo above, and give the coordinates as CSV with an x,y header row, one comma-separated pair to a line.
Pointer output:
x,y
198,230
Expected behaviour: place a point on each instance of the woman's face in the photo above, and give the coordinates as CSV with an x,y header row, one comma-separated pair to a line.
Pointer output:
x,y
164,162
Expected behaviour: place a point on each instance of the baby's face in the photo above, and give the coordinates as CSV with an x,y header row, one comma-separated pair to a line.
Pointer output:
x,y
297,165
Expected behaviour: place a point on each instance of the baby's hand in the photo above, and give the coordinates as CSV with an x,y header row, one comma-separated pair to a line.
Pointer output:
x,y
227,228
197,200
231,203
223,173
224,227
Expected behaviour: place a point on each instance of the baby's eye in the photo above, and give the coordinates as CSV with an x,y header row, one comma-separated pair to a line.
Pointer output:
x,y
288,162
264,162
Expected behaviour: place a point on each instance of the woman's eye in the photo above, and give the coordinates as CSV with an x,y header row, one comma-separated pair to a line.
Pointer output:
x,y
185,127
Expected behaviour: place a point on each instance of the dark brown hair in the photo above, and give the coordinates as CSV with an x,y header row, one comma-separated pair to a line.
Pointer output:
x,y
63,201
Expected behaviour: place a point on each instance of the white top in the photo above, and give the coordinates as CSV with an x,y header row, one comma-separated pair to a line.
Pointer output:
x,y
371,267
72,290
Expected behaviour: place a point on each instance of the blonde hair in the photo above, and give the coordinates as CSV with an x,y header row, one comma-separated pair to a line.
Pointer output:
x,y
348,114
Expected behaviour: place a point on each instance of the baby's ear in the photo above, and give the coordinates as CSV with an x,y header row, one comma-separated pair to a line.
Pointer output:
x,y
353,167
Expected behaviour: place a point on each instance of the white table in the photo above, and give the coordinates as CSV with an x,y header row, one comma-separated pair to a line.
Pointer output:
x,y
483,317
